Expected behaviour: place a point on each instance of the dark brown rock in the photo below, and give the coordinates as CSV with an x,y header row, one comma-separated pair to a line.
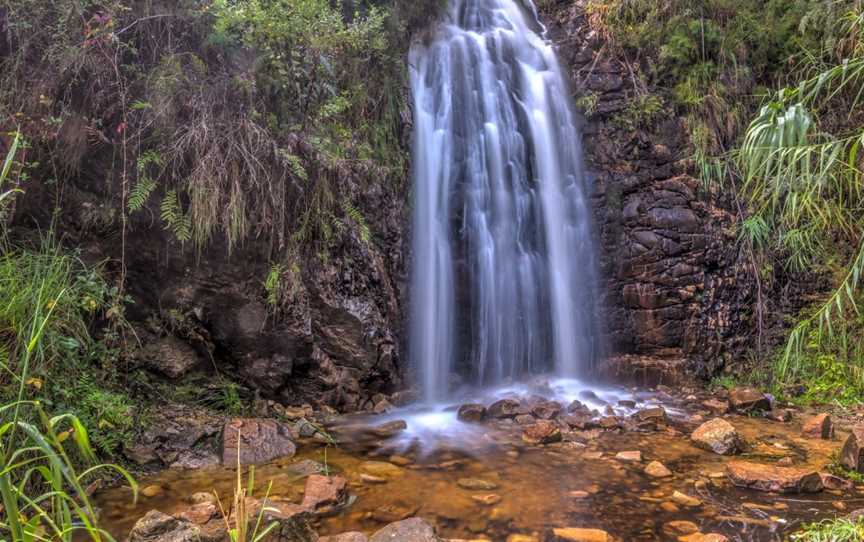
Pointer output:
x,y
170,356
748,400
505,408
718,436
852,454
763,477
389,429
472,413
546,410
255,441
819,426
542,432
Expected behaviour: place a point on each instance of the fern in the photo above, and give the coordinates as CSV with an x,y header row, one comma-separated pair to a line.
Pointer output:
x,y
173,217
140,193
357,217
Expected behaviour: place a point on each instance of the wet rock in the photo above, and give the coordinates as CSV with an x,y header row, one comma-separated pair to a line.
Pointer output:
x,y
609,422
716,406
324,493
505,408
546,410
655,414
382,407
409,530
577,534
389,429
748,400
472,413
370,479
542,432
381,469
199,514
304,467
579,421
522,538
577,406
852,454
718,436
699,537
253,441
158,527
489,499
175,433
152,491
679,528
399,460
524,419
772,478
476,484
353,536
819,426
683,499
656,469
782,415
629,457
830,481
293,524
202,497
396,511
627,403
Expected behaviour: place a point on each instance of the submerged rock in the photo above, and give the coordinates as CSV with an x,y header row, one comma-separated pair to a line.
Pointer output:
x,y
852,454
683,499
542,432
252,441
158,527
409,530
353,536
718,436
472,413
656,469
476,484
629,457
578,534
772,478
748,400
680,528
819,426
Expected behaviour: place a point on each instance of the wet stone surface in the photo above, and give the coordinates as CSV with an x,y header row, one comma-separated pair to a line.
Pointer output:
x,y
628,480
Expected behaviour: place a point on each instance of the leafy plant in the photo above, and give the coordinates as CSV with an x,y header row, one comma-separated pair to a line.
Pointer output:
x,y
833,530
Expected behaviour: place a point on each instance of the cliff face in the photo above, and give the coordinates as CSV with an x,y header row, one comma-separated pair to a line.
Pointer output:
x,y
675,288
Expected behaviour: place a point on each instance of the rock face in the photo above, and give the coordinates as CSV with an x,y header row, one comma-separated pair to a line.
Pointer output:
x,y
771,478
718,436
408,530
819,426
852,454
258,441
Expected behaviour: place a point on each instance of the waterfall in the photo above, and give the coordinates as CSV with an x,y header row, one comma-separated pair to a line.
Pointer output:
x,y
503,279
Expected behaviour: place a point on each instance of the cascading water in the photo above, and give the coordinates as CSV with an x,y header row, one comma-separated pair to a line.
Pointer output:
x,y
503,274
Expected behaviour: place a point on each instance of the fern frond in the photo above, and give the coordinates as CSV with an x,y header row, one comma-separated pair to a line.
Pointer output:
x,y
173,217
140,193
354,214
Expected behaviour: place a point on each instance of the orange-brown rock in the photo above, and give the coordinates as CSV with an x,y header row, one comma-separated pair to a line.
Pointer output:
x,y
542,432
819,426
578,534
852,455
748,400
324,493
718,436
762,477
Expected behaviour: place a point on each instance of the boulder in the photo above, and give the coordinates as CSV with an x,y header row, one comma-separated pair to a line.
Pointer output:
x,y
852,454
158,527
819,426
408,530
546,410
656,469
578,534
472,413
748,400
763,477
718,436
324,493
252,441
716,406
542,432
505,408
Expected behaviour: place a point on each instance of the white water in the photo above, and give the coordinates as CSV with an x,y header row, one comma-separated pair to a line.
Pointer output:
x,y
503,273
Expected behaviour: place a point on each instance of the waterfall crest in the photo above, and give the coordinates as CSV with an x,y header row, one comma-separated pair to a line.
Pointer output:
x,y
503,279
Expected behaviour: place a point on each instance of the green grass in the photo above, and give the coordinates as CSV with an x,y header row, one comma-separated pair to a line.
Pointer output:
x,y
834,530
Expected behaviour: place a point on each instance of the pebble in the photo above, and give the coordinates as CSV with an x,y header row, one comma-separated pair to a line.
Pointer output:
x,y
685,500
656,469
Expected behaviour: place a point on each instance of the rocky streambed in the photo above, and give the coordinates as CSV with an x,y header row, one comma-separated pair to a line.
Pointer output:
x,y
663,465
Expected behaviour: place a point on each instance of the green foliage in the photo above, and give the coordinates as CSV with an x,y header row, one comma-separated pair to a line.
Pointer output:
x,y
355,217
173,217
642,112
145,185
7,194
833,530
